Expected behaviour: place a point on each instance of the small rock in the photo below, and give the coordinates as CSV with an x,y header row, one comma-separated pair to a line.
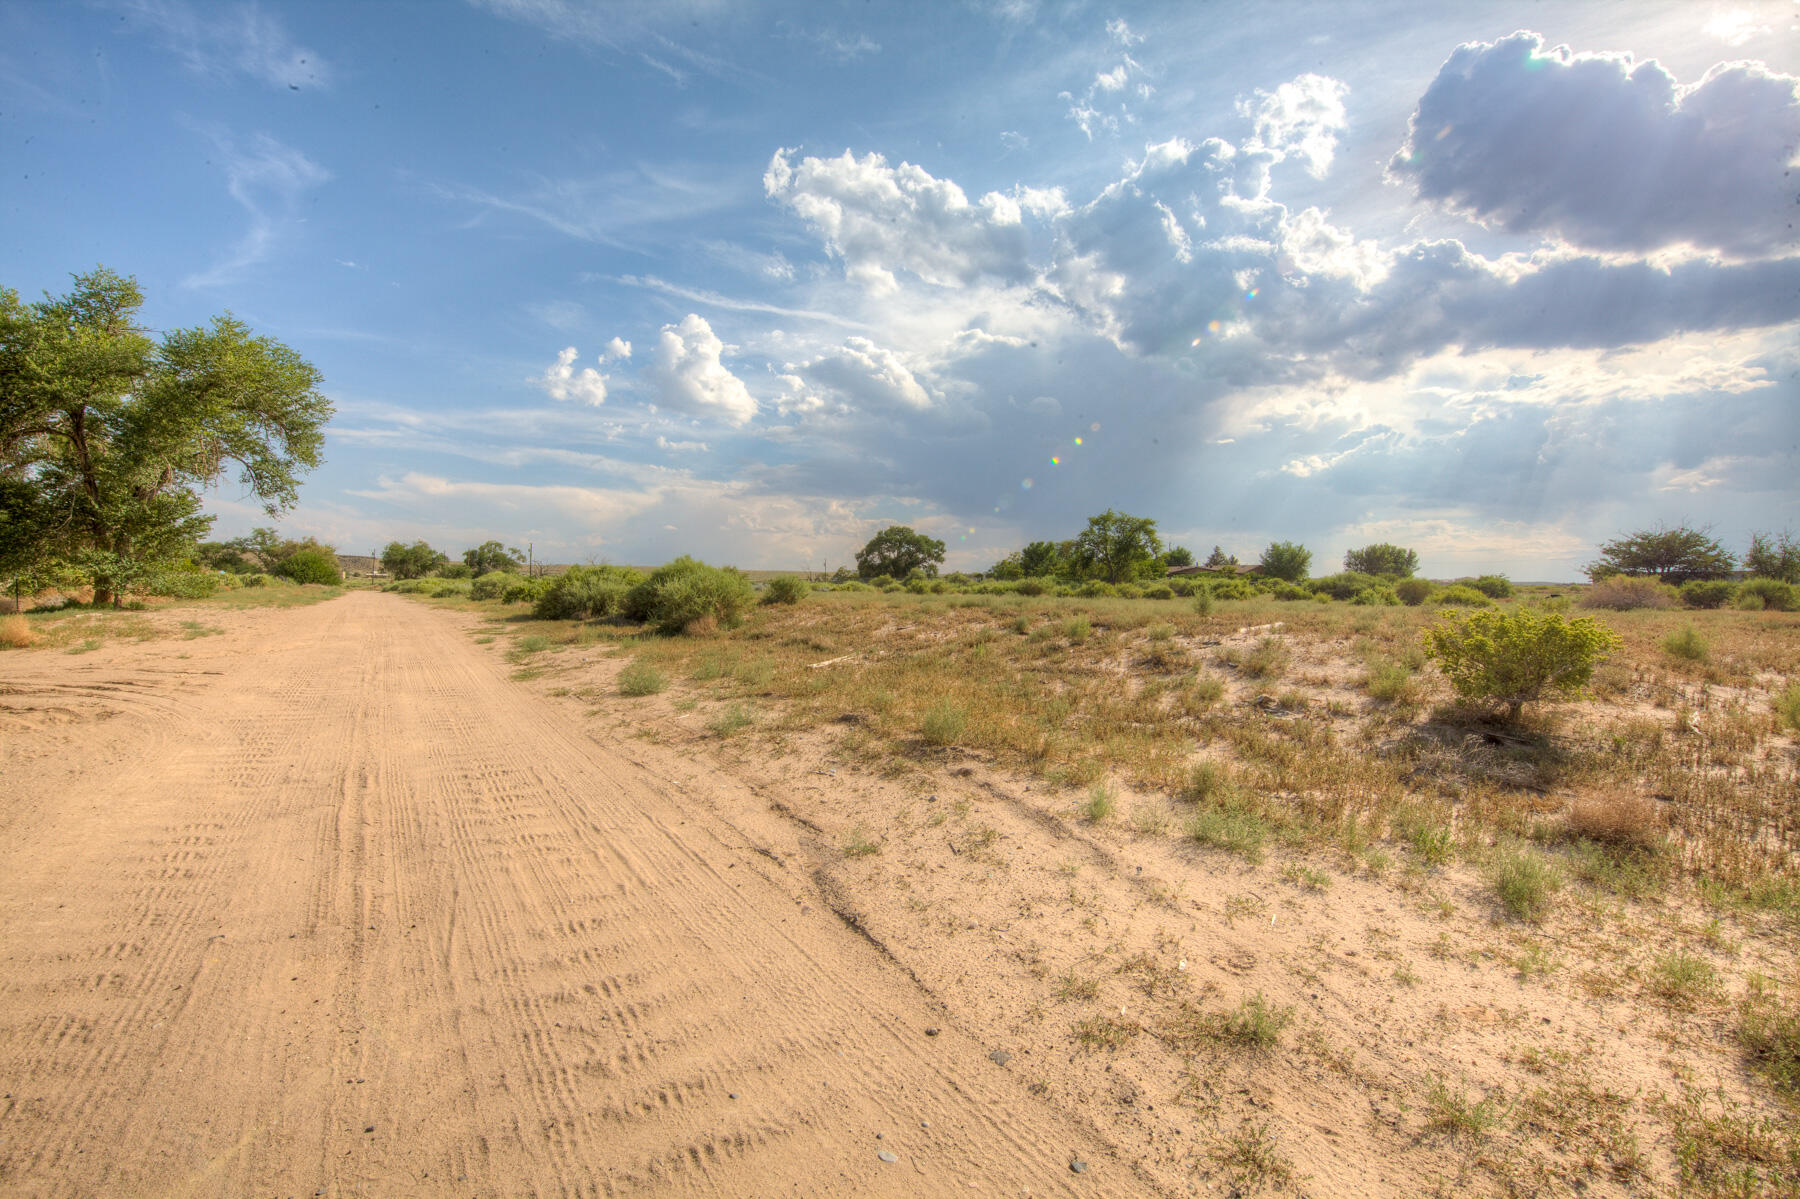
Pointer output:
x,y
885,1156
731,1095
924,1123
370,1128
931,799
880,1136
1078,1166
1000,1057
932,1032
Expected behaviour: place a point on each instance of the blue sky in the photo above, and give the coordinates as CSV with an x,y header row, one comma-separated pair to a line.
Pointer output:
x,y
753,281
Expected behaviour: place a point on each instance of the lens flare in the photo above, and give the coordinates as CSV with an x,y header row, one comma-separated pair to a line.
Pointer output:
x,y
1025,484
1056,462
1212,326
1251,294
1078,441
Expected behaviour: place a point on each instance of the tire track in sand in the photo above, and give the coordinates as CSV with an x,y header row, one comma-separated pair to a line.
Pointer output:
x,y
381,922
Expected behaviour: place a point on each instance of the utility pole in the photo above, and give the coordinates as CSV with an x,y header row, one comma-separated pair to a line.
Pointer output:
x,y
531,559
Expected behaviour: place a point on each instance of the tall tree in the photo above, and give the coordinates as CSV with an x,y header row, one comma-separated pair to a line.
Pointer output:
x,y
108,437
491,556
1773,557
1287,560
1383,559
897,551
1672,554
1179,555
1116,545
413,561
1220,558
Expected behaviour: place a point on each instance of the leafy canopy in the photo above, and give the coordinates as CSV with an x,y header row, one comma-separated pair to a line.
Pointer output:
x,y
1519,657
1772,557
107,437
1383,559
492,556
413,561
1116,546
897,551
1286,560
1673,555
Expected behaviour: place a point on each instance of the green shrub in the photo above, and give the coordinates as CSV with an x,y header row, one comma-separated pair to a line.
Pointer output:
x,y
641,678
1708,593
852,585
453,570
448,589
1345,585
1183,586
1379,596
1516,658
1203,601
1787,707
1231,823
1413,592
585,593
1077,629
524,591
1462,597
181,584
1095,589
687,592
1776,595
1033,586
1289,592
491,586
1159,591
785,589
1525,882
258,580
1769,1030
1686,644
1493,586
1228,587
312,566
1622,593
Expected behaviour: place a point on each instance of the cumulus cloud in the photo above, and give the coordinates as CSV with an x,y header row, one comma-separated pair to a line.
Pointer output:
x,y
617,350
564,383
1607,152
1301,119
879,219
690,377
867,376
1103,106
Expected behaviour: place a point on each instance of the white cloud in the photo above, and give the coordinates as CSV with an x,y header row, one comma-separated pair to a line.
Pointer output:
x,y
879,219
868,376
268,179
681,447
1607,152
1734,27
563,382
221,41
1300,119
690,377
617,350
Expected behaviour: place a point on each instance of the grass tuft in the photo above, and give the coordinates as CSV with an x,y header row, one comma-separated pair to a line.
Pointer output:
x,y
1525,881
641,678
944,723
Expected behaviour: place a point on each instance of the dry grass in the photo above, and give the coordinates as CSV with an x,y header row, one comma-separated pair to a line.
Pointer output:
x,y
1617,816
15,632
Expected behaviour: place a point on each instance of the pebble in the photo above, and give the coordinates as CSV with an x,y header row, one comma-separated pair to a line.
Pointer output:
x,y
885,1156
1000,1057
931,1032
731,1095
1080,1167
924,1123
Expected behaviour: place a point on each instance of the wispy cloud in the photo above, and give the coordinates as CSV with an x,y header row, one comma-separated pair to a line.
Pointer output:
x,y
612,209
634,27
268,179
225,41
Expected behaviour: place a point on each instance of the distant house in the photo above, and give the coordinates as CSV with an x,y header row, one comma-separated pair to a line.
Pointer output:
x,y
1254,568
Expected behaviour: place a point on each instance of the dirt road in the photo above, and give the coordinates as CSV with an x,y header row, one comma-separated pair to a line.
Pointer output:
x,y
329,906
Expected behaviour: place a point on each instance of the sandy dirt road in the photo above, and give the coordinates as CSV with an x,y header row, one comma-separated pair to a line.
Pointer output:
x,y
329,906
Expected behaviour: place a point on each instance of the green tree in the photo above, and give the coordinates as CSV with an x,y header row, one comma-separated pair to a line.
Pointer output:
x,y
1772,557
1040,559
1673,555
897,551
1116,546
1286,560
312,566
1220,558
1383,559
108,437
491,556
1515,658
1179,555
413,561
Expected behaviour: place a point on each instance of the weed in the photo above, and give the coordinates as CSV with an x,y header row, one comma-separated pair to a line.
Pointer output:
x,y
731,720
944,723
1233,826
1787,707
1306,877
1685,644
535,643
1073,986
1534,961
87,646
859,844
1100,803
1682,979
1105,1032
641,678
1525,881
1769,1030
1267,661
15,632
1250,1159
1432,840
1077,629
1452,1111
1160,632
